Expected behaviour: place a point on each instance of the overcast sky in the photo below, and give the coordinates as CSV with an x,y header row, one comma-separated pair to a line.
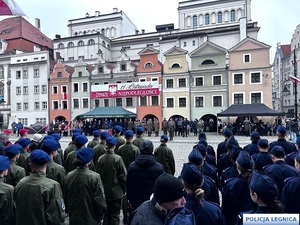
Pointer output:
x,y
276,18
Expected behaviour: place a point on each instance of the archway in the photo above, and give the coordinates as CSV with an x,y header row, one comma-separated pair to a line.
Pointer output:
x,y
60,118
149,116
176,117
210,122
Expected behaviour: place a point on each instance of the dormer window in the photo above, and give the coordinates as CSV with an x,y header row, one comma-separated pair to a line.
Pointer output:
x,y
208,62
123,67
175,65
148,65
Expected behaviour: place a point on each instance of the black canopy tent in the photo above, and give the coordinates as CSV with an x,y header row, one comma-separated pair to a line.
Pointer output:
x,y
249,110
108,112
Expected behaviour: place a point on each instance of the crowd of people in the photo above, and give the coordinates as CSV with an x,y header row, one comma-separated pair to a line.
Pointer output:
x,y
93,182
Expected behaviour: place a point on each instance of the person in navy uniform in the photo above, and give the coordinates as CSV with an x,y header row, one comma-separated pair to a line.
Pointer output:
x,y
290,158
252,148
227,133
263,157
280,170
291,191
263,191
207,213
231,204
281,141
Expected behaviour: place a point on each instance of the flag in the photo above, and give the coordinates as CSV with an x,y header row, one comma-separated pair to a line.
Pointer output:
x,y
9,7
294,79
64,95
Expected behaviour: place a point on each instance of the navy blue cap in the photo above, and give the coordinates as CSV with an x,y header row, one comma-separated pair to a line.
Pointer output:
x,y
118,128
264,186
202,149
129,133
96,133
203,142
196,157
281,129
245,160
81,140
111,141
146,147
13,149
140,130
86,155
24,142
164,138
56,136
255,135
77,130
104,134
263,143
235,151
50,145
39,157
277,151
231,142
227,132
202,135
4,163
191,174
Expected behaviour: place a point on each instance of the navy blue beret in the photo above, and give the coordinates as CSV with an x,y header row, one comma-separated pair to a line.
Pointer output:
x,y
39,157
50,145
4,163
227,132
81,140
196,157
104,134
140,129
13,149
245,160
281,129
263,143
56,136
77,130
164,138
202,135
255,135
24,142
191,174
111,141
75,134
118,128
129,133
96,133
277,151
86,155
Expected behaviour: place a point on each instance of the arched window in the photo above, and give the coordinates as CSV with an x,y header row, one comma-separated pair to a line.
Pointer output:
x,y
220,19
148,65
108,46
195,21
61,45
207,20
232,15
91,42
76,33
70,45
175,65
103,31
103,43
208,62
80,43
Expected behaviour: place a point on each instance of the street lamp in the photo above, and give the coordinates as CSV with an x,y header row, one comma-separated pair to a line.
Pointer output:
x,y
295,85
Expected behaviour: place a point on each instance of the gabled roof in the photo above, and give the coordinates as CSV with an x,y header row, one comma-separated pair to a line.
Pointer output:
x,y
18,27
148,51
179,51
259,43
207,43
284,50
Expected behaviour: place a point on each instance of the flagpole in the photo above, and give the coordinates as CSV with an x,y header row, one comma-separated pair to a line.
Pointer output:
x,y
295,85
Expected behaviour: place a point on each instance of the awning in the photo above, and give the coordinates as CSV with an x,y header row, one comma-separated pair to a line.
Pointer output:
x,y
108,112
249,110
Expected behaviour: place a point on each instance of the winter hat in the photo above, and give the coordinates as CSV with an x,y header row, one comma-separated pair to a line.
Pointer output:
x,y
146,147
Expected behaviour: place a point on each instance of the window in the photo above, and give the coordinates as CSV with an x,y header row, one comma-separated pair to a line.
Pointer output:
x,y
70,45
170,102
55,104
91,42
184,44
232,15
80,74
208,62
217,80
80,43
75,103
24,121
36,89
119,102
182,82
100,69
255,98
25,74
255,77
182,102
84,87
142,80
207,21
238,99
129,102
217,101
194,43
54,90
154,79
75,87
41,120
195,21
123,67
106,103
143,101
71,58
19,106
154,100
61,45
199,81
85,103
44,89
18,74
1,72
25,90
64,104
199,101
220,19
238,78
247,58
59,74
44,105
64,89
175,65
97,103
18,90
170,83
25,106
36,106
36,73
148,65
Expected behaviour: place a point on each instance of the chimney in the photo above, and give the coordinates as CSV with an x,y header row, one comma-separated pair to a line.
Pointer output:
x,y
136,31
115,10
38,23
97,13
143,31
57,36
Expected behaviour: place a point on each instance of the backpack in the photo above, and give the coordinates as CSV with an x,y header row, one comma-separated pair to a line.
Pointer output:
x,y
180,216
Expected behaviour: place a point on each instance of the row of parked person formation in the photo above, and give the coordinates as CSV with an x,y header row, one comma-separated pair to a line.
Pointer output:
x,y
92,182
